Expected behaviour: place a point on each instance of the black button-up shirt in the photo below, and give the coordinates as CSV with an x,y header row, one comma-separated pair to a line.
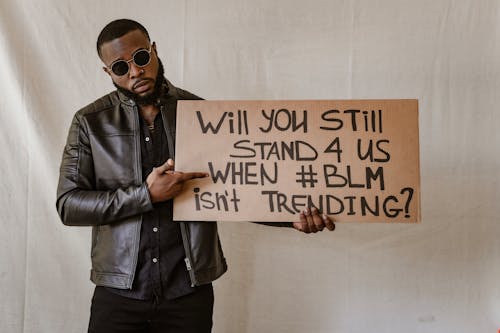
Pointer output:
x,y
161,270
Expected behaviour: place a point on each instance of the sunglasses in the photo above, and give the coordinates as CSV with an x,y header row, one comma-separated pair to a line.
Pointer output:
x,y
140,58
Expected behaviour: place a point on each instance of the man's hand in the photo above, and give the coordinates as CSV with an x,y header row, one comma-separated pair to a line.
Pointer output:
x,y
164,183
312,221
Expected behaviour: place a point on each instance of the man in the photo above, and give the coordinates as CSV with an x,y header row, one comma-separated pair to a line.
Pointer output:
x,y
117,175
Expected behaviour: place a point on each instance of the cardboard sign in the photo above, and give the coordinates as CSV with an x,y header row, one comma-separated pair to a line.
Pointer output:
x,y
355,160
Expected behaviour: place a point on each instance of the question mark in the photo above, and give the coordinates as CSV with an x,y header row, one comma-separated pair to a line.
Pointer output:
x,y
408,200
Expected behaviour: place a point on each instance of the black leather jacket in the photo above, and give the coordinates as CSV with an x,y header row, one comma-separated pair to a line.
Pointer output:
x,y
100,185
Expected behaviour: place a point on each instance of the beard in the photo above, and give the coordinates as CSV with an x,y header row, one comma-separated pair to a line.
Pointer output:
x,y
153,96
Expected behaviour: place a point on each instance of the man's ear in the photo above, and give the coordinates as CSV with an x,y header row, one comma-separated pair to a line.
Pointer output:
x,y
106,69
153,46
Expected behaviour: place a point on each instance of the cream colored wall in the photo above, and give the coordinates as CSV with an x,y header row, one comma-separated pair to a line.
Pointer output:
x,y
439,276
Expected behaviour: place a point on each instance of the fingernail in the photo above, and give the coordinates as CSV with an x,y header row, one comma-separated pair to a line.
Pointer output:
x,y
306,211
324,217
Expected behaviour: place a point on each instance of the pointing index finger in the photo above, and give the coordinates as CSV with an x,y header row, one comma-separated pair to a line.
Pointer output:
x,y
192,175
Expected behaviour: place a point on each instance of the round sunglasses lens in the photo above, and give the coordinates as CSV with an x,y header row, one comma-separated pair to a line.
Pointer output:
x,y
141,58
120,68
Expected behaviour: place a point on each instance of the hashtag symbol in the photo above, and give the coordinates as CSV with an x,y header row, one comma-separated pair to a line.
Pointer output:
x,y
306,177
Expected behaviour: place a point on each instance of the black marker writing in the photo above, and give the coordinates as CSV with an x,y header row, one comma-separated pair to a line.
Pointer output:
x,y
367,121
284,120
248,173
241,121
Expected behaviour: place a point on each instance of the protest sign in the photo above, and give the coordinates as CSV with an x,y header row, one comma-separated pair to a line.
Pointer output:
x,y
355,160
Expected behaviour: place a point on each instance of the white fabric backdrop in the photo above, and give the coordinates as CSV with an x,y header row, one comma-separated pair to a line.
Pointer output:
x,y
439,276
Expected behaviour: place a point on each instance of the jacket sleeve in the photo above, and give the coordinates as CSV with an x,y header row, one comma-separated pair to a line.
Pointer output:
x,y
78,202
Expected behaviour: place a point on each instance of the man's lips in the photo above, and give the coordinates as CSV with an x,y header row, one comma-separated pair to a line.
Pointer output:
x,y
141,85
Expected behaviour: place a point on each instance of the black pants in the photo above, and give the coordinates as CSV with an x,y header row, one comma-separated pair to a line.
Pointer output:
x,y
111,313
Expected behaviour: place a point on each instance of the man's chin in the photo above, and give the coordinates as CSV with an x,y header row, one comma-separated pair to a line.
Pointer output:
x,y
147,99
144,98
144,94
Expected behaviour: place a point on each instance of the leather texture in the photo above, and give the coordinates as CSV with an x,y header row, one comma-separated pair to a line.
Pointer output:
x,y
100,185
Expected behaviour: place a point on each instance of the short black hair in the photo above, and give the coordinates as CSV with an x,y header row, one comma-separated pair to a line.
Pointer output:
x,y
116,29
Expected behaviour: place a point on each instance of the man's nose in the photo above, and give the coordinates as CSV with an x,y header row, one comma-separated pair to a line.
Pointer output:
x,y
135,70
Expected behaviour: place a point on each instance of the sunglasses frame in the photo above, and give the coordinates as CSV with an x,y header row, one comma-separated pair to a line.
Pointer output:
x,y
110,67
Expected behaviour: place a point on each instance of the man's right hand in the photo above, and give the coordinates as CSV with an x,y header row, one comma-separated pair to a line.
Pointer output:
x,y
164,183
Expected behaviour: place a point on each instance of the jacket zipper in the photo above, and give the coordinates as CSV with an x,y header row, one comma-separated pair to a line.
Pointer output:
x,y
138,178
184,230
188,264
187,250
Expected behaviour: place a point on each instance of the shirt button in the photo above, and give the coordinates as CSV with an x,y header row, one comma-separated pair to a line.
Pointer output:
x,y
155,229
155,260
147,139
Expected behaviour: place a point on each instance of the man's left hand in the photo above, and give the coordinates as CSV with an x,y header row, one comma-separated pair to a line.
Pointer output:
x,y
312,221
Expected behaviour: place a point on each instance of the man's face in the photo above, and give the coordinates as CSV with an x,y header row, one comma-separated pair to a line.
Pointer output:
x,y
139,80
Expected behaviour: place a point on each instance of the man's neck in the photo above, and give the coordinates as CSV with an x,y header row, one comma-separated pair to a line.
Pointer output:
x,y
148,113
